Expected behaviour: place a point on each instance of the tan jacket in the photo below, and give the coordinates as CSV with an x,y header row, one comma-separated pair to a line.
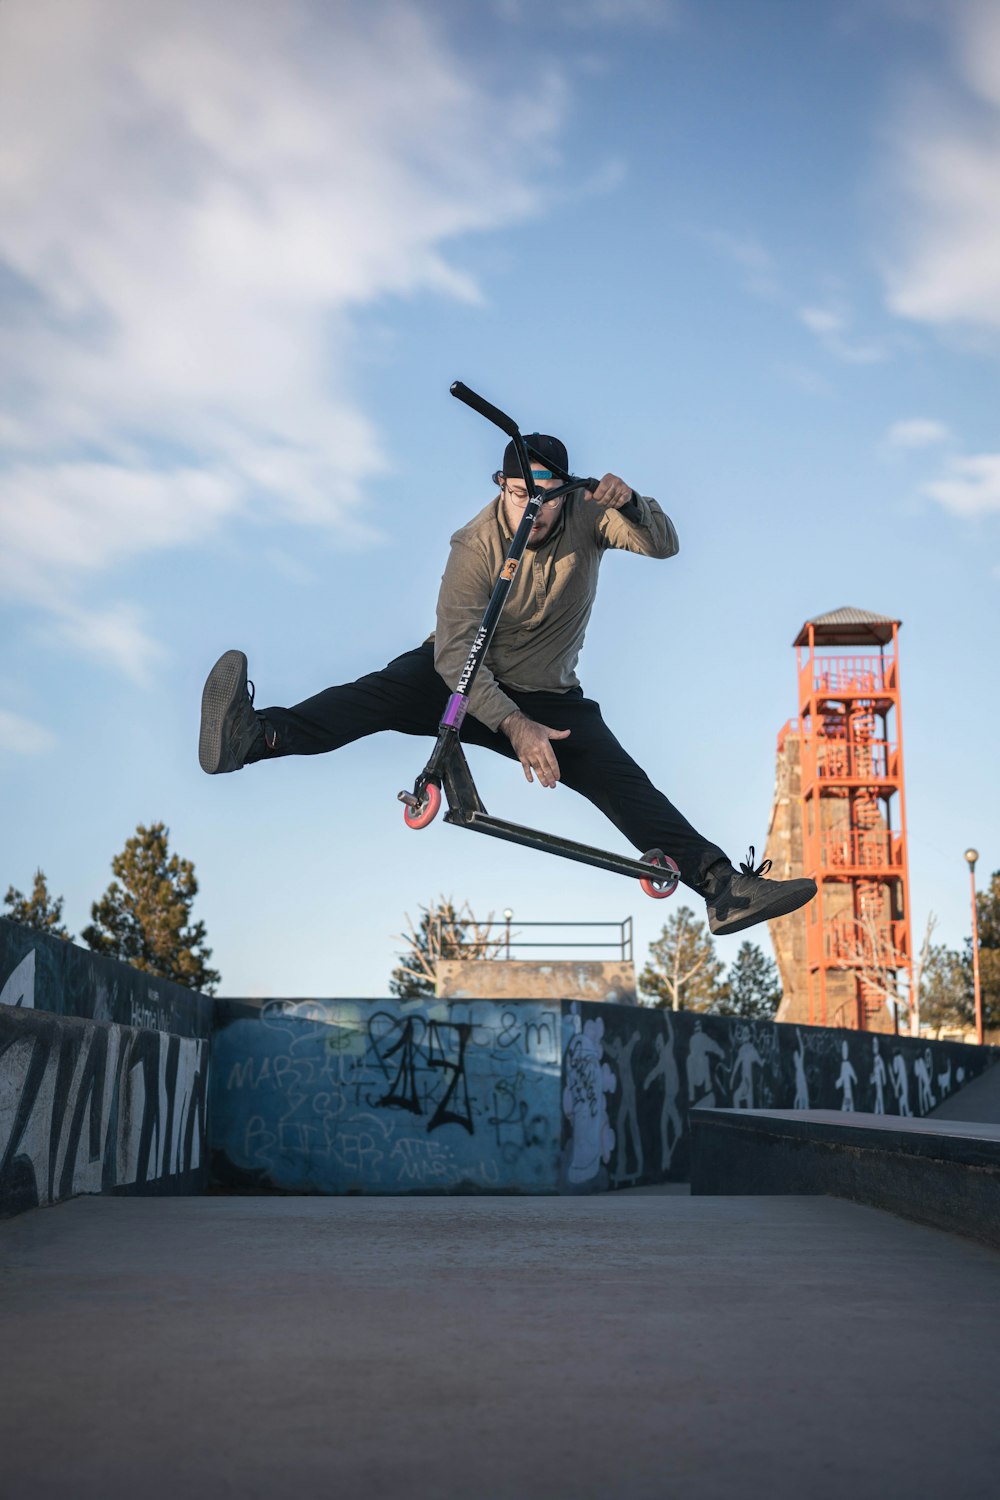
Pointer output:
x,y
538,640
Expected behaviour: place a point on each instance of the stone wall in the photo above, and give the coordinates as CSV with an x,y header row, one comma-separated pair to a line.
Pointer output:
x,y
784,848
609,980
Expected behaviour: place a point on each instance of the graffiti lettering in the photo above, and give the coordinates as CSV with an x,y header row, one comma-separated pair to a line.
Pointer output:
x,y
88,1107
455,1071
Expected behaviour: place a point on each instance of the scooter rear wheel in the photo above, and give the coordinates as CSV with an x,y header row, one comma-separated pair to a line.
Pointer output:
x,y
430,806
665,886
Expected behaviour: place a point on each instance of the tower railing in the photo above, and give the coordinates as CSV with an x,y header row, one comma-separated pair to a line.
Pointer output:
x,y
851,760
856,945
848,850
858,675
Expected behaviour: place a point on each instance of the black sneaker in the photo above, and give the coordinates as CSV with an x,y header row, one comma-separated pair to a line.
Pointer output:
x,y
230,730
741,898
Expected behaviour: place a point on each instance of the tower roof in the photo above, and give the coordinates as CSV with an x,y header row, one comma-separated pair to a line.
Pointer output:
x,y
848,627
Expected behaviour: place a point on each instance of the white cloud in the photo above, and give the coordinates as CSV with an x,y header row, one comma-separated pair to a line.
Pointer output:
x,y
23,736
945,173
831,325
113,636
805,378
970,486
194,201
753,259
591,13
917,432
621,12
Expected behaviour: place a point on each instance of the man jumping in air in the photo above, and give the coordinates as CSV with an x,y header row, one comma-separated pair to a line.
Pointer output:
x,y
526,701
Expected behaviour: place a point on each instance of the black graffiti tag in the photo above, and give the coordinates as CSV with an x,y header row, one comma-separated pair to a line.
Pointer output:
x,y
435,1057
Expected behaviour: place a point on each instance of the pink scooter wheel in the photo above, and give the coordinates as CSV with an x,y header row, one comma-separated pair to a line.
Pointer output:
x,y
659,889
419,817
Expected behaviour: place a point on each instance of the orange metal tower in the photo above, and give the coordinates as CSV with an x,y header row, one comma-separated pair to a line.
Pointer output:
x,y
858,941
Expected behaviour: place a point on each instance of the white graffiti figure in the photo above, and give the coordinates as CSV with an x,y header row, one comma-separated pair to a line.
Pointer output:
x,y
901,1084
19,989
627,1122
701,1085
743,1066
846,1079
922,1070
944,1081
801,1082
588,1081
665,1067
879,1076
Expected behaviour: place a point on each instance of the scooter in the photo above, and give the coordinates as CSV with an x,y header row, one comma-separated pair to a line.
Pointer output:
x,y
448,767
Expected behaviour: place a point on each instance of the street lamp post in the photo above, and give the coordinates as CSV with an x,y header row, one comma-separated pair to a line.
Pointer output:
x,y
507,914
972,855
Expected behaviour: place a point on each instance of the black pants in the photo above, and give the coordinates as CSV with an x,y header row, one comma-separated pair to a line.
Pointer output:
x,y
409,696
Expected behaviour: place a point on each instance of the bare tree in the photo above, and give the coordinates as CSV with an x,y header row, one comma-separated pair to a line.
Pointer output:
x,y
682,971
873,957
916,983
443,931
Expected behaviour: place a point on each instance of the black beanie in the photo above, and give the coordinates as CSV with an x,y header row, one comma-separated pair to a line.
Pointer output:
x,y
550,447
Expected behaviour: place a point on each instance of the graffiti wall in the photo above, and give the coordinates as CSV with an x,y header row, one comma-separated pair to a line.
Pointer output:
x,y
44,973
103,1076
630,1078
90,1107
341,1096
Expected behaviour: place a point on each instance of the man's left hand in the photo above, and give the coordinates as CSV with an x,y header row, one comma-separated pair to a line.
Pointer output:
x,y
612,492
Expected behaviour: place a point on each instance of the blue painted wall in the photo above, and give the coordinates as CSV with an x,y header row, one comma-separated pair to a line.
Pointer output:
x,y
341,1096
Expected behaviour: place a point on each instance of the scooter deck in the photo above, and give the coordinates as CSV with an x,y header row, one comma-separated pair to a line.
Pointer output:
x,y
550,843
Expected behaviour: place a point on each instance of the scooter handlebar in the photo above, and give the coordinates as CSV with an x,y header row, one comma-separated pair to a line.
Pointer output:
x,y
500,419
485,408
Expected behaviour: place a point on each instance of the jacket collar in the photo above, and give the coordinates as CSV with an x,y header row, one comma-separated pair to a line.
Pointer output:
x,y
556,531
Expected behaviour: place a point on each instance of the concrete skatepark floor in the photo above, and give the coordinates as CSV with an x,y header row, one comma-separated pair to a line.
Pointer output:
x,y
639,1344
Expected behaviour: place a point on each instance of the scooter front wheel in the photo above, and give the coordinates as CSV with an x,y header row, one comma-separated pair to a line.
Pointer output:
x,y
665,885
426,810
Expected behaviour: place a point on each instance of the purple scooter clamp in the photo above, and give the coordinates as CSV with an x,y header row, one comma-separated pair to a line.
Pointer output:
x,y
458,705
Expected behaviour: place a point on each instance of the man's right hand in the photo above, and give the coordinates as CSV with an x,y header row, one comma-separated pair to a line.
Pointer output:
x,y
533,746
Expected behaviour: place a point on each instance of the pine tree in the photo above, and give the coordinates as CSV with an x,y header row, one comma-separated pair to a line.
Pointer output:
x,y
752,989
988,922
444,931
683,971
39,910
145,920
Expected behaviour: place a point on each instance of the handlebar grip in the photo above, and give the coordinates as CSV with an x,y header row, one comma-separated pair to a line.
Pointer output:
x,y
485,409
589,484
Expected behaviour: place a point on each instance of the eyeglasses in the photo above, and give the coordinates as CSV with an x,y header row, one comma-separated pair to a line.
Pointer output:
x,y
519,498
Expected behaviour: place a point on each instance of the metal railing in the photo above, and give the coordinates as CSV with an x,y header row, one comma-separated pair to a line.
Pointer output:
x,y
861,945
845,849
506,936
851,674
845,760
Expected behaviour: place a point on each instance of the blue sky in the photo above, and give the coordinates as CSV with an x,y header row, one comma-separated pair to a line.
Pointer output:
x,y
746,255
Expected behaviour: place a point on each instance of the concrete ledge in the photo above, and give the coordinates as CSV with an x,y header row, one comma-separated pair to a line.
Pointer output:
x,y
939,1172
